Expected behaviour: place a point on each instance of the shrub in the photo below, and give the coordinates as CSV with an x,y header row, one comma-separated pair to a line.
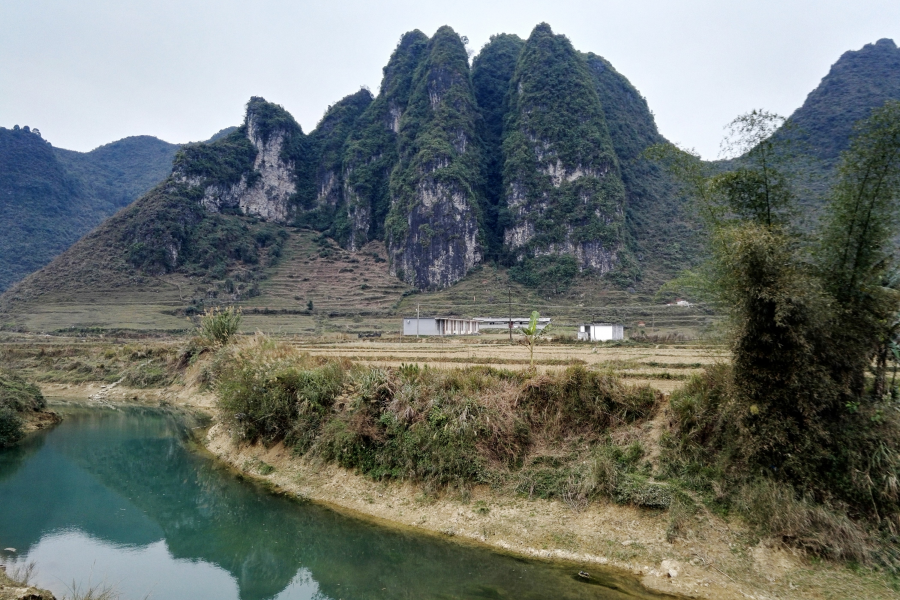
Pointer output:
x,y
832,510
269,393
442,428
10,426
18,394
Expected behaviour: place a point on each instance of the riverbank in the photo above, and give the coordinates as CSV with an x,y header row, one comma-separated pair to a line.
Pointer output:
x,y
710,557
714,558
718,559
11,589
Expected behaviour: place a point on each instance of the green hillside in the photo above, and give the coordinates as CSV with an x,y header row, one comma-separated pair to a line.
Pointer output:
x,y
858,82
116,174
43,208
50,197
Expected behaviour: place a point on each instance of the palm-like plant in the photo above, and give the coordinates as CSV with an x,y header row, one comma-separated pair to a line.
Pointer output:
x,y
532,332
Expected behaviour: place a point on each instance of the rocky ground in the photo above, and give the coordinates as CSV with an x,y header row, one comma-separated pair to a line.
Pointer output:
x,y
11,589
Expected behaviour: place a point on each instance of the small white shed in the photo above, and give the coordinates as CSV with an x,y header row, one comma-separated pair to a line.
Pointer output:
x,y
600,332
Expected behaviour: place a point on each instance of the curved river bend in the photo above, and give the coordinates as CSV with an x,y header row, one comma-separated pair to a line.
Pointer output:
x,y
116,497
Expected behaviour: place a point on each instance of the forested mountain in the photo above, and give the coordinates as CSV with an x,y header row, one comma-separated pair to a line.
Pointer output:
x,y
564,200
50,197
434,227
530,159
512,160
858,82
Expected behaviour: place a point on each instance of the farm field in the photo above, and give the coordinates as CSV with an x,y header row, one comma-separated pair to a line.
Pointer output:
x,y
105,357
318,288
663,366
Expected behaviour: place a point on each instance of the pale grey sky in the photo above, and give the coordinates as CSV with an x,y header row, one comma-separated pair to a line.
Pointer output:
x,y
89,72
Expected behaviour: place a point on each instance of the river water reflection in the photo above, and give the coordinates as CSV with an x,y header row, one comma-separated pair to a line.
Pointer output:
x,y
115,496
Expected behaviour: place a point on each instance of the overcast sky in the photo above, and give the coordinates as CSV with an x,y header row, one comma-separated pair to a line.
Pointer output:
x,y
89,72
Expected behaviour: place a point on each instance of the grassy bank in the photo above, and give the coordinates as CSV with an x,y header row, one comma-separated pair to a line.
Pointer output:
x,y
575,435
546,435
495,441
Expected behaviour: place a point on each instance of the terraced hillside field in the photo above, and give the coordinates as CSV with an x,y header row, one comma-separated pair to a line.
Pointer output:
x,y
314,288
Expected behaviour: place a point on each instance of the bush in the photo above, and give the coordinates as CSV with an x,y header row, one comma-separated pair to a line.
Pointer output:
x,y
19,395
831,509
268,393
442,428
11,425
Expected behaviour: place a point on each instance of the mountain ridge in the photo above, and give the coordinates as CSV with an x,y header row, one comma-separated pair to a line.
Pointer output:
x,y
373,170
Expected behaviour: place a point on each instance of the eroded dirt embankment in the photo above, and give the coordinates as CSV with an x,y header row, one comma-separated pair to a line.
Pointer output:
x,y
717,558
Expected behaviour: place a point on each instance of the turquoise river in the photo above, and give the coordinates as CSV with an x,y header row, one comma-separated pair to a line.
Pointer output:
x,y
117,497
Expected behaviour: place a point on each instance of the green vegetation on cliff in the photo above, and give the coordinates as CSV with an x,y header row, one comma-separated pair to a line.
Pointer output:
x,y
564,194
170,231
436,187
661,232
222,162
492,70
326,210
372,150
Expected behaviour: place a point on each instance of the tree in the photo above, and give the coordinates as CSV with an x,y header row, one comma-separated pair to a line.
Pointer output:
x,y
759,188
796,409
806,320
856,259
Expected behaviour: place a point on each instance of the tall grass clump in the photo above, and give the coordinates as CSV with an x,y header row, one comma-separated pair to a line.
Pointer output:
x,y
218,326
442,428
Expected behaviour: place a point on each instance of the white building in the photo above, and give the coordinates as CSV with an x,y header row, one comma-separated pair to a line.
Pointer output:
x,y
600,332
439,326
503,322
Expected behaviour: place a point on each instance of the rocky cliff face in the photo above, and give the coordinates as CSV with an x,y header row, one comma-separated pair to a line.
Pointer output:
x,y
371,152
325,208
563,191
265,190
434,224
441,240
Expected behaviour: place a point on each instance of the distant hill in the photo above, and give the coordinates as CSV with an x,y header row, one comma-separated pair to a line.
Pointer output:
x,y
858,82
50,197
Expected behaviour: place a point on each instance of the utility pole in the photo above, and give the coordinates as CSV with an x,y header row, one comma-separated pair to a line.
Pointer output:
x,y
417,320
509,295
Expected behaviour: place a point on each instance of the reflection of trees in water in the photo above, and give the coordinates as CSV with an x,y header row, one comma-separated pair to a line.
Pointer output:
x,y
13,458
46,493
263,540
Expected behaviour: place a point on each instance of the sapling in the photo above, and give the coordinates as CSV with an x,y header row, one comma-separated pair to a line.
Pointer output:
x,y
532,332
